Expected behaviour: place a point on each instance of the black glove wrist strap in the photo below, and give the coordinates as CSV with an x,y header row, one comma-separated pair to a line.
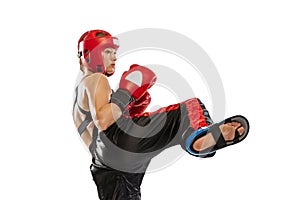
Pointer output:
x,y
122,98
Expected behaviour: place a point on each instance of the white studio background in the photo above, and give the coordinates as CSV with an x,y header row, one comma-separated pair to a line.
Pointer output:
x,y
255,46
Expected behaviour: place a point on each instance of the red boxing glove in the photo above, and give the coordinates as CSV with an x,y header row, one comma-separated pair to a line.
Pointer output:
x,y
133,85
140,106
137,80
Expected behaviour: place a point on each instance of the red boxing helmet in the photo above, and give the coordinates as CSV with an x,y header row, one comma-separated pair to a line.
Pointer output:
x,y
90,47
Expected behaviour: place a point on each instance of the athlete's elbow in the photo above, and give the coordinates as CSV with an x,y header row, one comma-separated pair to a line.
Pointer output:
x,y
104,122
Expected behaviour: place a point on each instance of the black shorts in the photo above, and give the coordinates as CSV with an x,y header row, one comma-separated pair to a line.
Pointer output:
x,y
126,148
117,185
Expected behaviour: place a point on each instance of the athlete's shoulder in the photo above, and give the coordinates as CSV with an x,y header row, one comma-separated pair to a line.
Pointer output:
x,y
96,79
96,76
97,83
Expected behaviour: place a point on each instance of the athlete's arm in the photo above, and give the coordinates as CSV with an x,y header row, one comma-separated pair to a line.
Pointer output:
x,y
103,112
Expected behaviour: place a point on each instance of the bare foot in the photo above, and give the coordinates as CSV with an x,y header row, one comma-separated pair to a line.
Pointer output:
x,y
228,132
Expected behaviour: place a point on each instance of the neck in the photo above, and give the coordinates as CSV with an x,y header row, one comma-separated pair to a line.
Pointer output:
x,y
86,71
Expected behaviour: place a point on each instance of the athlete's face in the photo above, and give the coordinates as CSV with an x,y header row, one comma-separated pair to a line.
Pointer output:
x,y
109,59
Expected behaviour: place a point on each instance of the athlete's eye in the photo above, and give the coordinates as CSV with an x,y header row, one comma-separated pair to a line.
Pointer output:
x,y
108,51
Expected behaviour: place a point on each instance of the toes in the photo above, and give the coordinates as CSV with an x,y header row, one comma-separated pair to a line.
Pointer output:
x,y
235,124
230,127
228,131
241,130
238,126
